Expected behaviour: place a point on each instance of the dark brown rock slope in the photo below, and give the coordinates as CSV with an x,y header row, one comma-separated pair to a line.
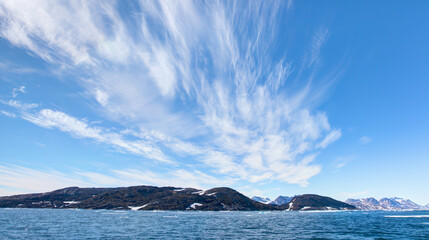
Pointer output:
x,y
162,198
316,202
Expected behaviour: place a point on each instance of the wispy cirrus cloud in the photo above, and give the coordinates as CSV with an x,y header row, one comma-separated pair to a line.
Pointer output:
x,y
333,136
318,39
342,161
19,105
365,140
48,118
6,66
19,179
8,114
18,90
186,78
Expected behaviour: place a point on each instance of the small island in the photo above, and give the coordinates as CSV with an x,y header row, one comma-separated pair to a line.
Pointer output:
x,y
164,198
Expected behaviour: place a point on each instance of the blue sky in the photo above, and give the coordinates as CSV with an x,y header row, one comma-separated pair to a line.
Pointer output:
x,y
269,98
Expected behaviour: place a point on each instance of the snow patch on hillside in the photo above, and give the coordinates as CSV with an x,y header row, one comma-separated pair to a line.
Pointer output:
x,y
194,205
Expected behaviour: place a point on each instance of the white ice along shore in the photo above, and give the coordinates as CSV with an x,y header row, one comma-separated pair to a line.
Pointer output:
x,y
408,216
194,206
138,208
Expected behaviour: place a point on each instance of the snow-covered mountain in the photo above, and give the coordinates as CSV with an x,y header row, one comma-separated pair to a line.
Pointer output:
x,y
278,201
384,204
395,203
261,199
305,202
365,203
281,200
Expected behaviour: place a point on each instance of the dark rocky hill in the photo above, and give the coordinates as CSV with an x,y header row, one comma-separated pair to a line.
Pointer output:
x,y
170,198
316,202
233,200
161,198
56,199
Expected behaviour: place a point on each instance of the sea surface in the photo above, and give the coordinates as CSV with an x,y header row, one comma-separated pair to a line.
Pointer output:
x,y
110,224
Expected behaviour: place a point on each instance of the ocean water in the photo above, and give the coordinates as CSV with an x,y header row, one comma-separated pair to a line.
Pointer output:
x,y
109,224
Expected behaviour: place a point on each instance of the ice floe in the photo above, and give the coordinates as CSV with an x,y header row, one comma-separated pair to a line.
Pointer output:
x,y
407,216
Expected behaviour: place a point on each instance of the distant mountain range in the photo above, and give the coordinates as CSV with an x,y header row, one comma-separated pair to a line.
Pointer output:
x,y
171,198
261,199
278,201
166,198
385,204
362,203
305,202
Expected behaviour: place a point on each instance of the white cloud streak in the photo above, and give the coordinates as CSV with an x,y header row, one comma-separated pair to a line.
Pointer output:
x,y
341,162
48,118
365,140
8,114
19,105
25,180
28,180
16,91
101,97
331,137
179,71
318,39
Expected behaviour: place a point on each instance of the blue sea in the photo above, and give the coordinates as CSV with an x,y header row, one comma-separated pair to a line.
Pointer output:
x,y
110,224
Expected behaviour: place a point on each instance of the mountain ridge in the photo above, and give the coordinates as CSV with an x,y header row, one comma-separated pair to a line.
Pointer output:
x,y
280,200
163,198
394,203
